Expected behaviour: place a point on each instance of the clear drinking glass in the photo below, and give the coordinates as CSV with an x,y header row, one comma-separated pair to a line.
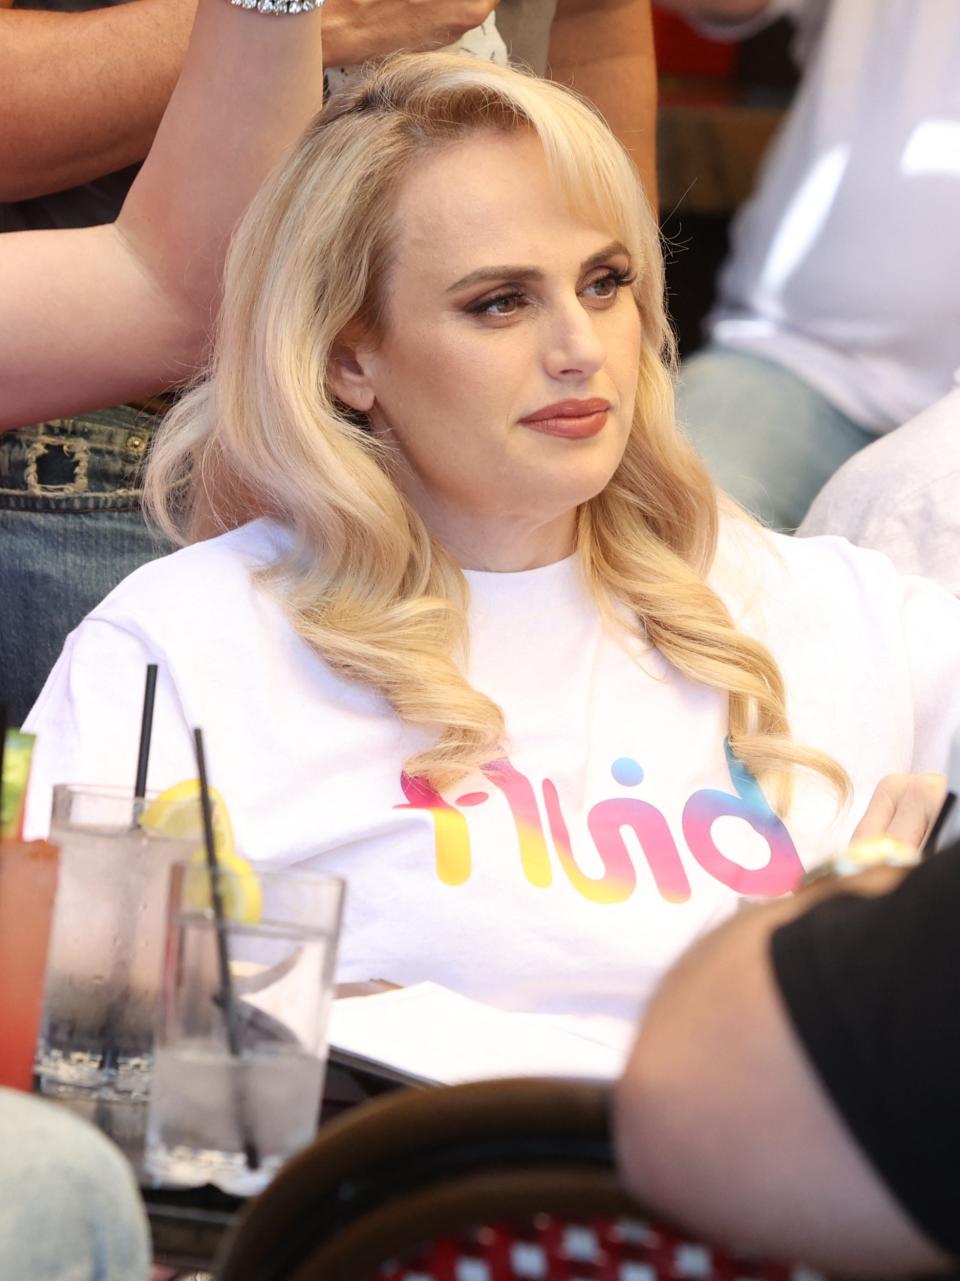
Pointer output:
x,y
104,966
238,1074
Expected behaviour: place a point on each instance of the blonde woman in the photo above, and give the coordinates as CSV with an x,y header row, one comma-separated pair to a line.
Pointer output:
x,y
458,608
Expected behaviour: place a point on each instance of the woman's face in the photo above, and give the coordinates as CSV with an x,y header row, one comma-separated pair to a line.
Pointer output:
x,y
506,373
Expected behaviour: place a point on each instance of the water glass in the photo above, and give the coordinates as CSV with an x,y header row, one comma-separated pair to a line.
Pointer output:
x,y
104,966
239,1065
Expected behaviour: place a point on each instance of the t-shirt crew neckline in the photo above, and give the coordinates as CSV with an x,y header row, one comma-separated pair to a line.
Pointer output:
x,y
564,570
559,586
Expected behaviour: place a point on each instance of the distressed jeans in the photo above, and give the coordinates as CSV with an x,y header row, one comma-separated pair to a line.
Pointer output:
x,y
69,1205
71,527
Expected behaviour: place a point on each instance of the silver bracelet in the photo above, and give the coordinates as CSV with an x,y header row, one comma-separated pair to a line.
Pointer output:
x,y
278,6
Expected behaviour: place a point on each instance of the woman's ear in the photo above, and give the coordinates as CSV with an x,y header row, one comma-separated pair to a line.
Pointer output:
x,y
348,376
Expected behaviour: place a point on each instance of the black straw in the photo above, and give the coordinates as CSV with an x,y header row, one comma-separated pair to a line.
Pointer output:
x,y
227,999
110,1054
146,730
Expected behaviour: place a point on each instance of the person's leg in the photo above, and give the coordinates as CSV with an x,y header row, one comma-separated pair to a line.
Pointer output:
x,y
769,439
69,1205
70,529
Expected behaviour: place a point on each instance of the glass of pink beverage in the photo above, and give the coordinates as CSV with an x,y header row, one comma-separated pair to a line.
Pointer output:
x,y
28,887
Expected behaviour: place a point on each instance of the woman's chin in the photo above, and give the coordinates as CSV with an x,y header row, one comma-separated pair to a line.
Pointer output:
x,y
579,483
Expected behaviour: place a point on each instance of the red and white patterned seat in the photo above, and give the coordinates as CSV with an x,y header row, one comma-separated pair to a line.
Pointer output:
x,y
602,1249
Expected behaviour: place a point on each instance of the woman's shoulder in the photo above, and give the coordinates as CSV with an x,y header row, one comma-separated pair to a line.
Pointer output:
x,y
763,574
213,577
767,555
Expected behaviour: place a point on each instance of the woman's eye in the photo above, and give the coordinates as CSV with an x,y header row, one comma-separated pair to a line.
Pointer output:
x,y
605,287
502,305
609,284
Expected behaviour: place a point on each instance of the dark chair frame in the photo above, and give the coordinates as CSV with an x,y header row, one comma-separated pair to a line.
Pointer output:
x,y
414,1167
412,1164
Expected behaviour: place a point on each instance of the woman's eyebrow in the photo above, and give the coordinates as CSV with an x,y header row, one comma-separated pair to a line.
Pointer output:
x,y
613,250
484,275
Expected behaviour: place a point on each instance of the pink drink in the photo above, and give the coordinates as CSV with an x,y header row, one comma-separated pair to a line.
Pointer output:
x,y
28,887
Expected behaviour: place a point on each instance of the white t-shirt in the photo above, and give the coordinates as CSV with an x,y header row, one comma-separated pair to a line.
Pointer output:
x,y
901,495
612,834
845,259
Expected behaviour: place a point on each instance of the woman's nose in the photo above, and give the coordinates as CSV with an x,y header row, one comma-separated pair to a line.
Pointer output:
x,y
574,348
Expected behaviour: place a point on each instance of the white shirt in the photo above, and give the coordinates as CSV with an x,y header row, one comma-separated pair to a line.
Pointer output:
x,y
901,495
845,260
578,871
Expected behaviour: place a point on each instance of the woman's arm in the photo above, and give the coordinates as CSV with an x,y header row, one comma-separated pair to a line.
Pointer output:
x,y
106,314
604,50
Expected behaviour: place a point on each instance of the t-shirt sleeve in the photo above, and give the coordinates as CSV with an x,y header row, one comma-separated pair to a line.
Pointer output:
x,y
87,719
872,987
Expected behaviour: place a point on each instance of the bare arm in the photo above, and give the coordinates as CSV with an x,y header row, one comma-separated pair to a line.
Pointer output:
x,y
604,50
83,93
722,1123
106,314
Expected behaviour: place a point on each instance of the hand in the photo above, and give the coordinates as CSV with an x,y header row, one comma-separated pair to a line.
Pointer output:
x,y
904,807
355,30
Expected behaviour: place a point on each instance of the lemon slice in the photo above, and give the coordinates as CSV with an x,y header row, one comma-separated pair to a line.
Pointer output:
x,y
239,886
176,813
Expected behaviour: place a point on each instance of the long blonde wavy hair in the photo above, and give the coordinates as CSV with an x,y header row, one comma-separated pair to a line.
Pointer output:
x,y
365,584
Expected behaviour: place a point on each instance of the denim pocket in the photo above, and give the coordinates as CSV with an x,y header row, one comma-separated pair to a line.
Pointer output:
x,y
90,463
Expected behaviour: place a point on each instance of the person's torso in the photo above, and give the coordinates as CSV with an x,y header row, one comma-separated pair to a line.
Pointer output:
x,y
844,259
612,832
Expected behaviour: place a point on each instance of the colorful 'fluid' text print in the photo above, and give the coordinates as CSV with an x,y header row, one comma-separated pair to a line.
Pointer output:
x,y
606,823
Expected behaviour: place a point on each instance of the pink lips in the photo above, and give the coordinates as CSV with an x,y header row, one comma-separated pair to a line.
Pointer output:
x,y
572,419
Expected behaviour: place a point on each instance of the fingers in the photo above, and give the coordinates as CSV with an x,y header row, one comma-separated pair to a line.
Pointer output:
x,y
879,813
918,807
904,807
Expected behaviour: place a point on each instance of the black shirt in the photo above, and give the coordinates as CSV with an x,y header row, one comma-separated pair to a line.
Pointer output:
x,y
873,988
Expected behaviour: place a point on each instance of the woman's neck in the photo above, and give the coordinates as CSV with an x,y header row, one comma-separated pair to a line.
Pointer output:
x,y
501,547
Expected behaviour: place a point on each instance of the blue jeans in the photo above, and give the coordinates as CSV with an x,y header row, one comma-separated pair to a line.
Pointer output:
x,y
69,1205
71,528
769,439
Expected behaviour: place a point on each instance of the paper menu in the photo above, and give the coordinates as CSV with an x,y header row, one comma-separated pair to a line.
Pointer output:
x,y
428,1034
